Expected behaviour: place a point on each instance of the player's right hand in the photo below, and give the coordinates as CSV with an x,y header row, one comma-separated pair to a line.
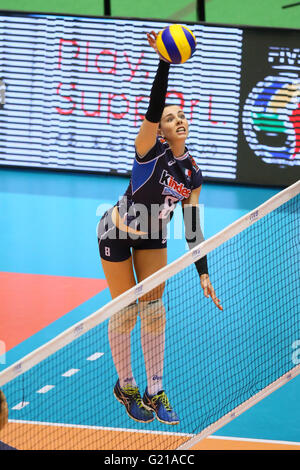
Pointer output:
x,y
152,40
209,291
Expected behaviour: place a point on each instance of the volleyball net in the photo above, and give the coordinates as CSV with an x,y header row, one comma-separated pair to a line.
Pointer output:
x,y
217,364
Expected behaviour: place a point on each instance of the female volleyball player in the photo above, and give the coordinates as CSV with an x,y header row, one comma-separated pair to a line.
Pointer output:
x,y
132,237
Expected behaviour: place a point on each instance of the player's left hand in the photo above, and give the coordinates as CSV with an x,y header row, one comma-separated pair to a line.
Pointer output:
x,y
209,290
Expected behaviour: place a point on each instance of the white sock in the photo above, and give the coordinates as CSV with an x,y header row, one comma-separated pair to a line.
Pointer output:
x,y
153,349
127,381
155,385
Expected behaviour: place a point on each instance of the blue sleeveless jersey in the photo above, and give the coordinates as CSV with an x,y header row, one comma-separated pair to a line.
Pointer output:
x,y
158,182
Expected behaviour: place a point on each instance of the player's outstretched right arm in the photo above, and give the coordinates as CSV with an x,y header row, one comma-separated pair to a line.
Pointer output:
x,y
147,135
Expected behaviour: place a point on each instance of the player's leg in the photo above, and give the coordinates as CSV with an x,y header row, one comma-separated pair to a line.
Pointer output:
x,y
116,261
153,315
120,277
153,321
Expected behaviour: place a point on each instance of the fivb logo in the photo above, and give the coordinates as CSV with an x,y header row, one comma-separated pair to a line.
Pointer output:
x,y
284,57
271,111
167,180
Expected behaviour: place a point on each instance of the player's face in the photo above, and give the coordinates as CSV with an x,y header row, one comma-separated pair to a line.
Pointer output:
x,y
174,125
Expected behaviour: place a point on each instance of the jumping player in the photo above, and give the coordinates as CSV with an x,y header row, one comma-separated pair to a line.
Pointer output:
x,y
131,237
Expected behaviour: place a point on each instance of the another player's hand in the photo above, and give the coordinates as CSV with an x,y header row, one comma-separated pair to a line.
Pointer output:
x,y
209,290
3,410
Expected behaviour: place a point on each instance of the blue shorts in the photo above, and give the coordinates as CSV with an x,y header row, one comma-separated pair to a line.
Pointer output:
x,y
115,245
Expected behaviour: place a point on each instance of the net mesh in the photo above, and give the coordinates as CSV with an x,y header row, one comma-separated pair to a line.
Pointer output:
x,y
214,361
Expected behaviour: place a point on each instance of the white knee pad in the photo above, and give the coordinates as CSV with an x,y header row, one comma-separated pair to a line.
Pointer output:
x,y
153,316
124,321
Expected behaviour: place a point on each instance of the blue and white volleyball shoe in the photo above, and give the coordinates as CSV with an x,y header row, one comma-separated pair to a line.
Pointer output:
x,y
160,404
130,397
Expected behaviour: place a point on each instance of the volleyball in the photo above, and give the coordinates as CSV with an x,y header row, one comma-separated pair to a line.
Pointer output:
x,y
176,44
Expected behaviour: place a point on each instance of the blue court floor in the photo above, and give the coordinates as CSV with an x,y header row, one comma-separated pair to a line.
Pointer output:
x,y
48,226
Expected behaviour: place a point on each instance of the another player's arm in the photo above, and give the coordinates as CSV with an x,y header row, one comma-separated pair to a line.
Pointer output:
x,y
3,410
147,135
194,236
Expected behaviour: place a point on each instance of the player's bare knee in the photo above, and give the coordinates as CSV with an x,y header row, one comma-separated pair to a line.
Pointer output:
x,y
153,316
124,321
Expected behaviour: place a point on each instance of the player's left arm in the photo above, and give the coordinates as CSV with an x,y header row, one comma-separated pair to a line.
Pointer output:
x,y
194,236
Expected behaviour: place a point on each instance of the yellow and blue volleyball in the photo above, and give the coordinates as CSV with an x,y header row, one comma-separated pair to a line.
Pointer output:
x,y
176,44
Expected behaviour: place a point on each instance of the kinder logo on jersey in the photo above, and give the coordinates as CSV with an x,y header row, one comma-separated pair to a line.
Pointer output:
x,y
179,188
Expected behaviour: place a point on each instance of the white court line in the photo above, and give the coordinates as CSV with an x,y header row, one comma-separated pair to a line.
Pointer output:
x,y
70,372
101,428
20,405
45,389
147,431
94,356
247,439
